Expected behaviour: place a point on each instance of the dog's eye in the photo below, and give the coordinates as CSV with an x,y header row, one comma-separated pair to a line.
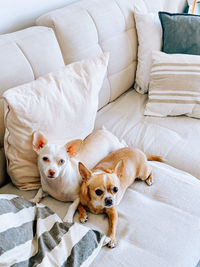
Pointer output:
x,y
61,161
99,192
115,189
45,159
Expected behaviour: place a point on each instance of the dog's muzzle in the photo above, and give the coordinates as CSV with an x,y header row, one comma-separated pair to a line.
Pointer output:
x,y
51,173
108,202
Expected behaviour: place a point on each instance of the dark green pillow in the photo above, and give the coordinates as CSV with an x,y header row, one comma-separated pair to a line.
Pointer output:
x,y
181,33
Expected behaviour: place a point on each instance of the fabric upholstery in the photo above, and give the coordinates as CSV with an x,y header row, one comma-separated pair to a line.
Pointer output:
x,y
149,33
24,56
174,85
181,33
101,26
158,225
62,105
3,174
176,139
51,243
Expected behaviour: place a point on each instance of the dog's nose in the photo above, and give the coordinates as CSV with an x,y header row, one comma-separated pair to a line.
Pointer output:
x,y
51,172
108,201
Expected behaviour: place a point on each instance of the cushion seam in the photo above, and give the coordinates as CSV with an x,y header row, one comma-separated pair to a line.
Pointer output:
x,y
107,72
26,59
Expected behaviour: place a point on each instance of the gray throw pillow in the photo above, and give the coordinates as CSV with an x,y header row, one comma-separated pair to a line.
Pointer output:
x,y
181,33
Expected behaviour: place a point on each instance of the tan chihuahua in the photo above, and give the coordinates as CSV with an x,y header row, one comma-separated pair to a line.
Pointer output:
x,y
103,187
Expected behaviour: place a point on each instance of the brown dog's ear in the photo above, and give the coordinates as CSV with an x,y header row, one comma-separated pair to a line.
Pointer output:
x,y
119,168
39,141
84,172
73,147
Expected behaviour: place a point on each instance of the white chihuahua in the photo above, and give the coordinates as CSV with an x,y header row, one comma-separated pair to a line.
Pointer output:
x,y
58,165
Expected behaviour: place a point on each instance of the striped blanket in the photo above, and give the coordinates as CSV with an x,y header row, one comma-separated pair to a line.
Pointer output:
x,y
33,235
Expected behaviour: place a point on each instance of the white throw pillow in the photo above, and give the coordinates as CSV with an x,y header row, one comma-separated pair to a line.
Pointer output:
x,y
174,87
62,105
149,33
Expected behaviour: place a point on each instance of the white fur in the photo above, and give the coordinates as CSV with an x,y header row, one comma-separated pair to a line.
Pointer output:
x,y
65,185
105,179
98,203
97,146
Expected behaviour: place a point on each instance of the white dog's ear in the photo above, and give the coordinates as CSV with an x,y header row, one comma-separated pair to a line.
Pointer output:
x,y
84,172
73,147
119,168
39,141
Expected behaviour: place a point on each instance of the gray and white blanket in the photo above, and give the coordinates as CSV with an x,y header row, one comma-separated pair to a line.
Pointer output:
x,y
33,235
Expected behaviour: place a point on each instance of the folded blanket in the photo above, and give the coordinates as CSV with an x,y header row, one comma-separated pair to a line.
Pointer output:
x,y
33,235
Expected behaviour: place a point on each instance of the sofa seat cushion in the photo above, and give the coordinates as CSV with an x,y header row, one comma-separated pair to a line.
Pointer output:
x,y
176,139
158,225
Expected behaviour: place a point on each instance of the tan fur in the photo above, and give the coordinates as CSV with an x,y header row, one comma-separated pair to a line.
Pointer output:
x,y
73,147
117,170
154,158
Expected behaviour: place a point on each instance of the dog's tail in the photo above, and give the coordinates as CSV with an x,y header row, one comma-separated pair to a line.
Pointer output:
x,y
154,158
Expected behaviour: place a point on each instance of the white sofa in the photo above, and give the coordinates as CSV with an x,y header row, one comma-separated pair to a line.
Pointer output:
x,y
158,226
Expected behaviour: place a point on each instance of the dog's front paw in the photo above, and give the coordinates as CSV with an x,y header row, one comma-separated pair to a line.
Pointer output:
x,y
83,219
34,200
106,241
68,220
112,243
149,181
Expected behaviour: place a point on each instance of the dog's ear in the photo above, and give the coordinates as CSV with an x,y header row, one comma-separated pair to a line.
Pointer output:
x,y
119,168
84,172
39,141
73,147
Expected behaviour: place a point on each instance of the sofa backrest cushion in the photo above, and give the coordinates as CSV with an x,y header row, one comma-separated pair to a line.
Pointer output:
x,y
24,56
86,28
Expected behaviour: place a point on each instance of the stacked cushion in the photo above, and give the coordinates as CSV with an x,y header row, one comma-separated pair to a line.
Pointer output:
x,y
171,80
181,33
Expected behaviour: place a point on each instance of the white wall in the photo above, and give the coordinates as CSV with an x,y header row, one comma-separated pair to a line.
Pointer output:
x,y
19,14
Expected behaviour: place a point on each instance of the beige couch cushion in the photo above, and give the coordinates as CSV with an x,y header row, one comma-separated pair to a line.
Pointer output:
x,y
174,85
176,139
158,225
89,27
149,33
62,105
